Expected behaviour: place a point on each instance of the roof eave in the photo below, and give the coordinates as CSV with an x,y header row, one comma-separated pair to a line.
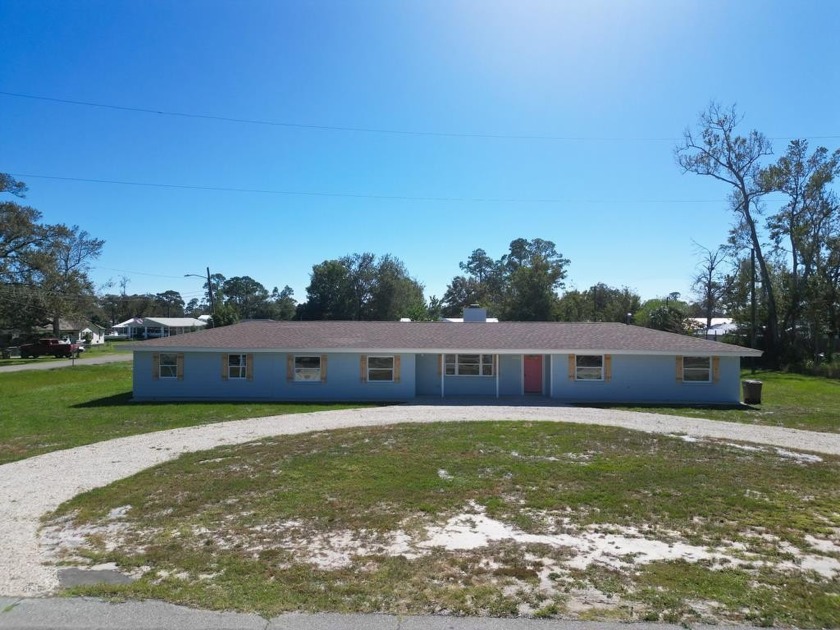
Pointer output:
x,y
745,352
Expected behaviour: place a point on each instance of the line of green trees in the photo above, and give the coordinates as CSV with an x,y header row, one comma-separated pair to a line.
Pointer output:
x,y
522,285
236,298
43,268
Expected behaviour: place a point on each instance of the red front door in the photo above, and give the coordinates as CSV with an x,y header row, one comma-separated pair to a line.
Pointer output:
x,y
533,373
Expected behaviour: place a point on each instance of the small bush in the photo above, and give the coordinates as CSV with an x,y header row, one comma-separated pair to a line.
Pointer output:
x,y
826,369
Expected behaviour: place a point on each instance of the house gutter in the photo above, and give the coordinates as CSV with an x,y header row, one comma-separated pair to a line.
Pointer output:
x,y
746,352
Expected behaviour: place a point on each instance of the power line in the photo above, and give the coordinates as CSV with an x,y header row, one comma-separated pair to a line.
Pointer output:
x,y
373,130
138,273
309,193
14,296
291,125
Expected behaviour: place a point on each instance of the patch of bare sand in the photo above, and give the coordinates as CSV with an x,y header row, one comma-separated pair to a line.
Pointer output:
x,y
567,550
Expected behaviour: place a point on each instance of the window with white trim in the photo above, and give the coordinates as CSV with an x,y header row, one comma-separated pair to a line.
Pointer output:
x,y
237,366
380,369
468,364
697,369
589,367
308,368
168,366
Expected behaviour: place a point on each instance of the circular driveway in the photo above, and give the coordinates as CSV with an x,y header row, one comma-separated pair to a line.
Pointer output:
x,y
31,487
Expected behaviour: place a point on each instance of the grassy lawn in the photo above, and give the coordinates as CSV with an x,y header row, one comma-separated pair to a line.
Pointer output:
x,y
788,400
402,519
49,410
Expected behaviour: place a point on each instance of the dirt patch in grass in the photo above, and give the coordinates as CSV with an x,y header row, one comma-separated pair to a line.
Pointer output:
x,y
502,519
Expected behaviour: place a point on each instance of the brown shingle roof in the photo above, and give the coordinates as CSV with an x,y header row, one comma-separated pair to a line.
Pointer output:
x,y
502,337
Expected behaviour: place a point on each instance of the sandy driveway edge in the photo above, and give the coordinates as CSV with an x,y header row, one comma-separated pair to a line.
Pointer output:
x,y
34,486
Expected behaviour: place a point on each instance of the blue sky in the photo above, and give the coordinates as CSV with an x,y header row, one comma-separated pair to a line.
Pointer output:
x,y
576,107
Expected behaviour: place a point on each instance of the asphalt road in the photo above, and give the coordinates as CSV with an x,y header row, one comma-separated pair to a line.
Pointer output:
x,y
49,363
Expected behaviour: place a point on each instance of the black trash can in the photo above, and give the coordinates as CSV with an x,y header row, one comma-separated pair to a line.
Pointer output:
x,y
752,392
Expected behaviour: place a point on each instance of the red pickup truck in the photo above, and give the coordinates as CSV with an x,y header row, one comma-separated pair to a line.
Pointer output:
x,y
50,346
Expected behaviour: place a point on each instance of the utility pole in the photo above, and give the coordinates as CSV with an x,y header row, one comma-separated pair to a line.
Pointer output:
x,y
210,292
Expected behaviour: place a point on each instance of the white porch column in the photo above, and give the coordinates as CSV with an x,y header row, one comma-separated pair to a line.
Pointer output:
x,y
551,376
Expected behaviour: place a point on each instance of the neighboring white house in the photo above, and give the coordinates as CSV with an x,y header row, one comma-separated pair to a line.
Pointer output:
x,y
92,334
720,326
77,332
153,327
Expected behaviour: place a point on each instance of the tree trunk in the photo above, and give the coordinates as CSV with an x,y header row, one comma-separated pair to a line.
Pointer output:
x,y
710,306
771,334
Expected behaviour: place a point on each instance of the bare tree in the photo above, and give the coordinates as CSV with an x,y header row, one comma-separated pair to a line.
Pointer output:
x,y
717,151
709,282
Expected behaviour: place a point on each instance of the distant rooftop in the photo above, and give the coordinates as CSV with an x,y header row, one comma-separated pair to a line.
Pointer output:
x,y
166,322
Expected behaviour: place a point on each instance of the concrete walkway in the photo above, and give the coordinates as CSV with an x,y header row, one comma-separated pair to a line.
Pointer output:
x,y
75,614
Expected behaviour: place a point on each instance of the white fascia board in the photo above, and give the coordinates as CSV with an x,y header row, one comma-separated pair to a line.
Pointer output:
x,y
229,350
519,351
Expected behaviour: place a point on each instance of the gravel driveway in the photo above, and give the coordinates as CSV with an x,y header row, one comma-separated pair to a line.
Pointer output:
x,y
33,486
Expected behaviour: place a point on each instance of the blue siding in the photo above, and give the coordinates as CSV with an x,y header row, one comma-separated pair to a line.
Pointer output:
x,y
470,385
203,381
428,375
510,375
647,379
510,379
635,378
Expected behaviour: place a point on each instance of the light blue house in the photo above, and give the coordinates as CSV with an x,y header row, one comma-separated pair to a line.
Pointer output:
x,y
399,361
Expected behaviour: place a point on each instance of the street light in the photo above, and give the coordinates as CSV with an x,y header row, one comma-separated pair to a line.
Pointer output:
x,y
209,288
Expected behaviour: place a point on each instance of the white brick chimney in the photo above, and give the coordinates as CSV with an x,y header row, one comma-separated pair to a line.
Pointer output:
x,y
474,313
